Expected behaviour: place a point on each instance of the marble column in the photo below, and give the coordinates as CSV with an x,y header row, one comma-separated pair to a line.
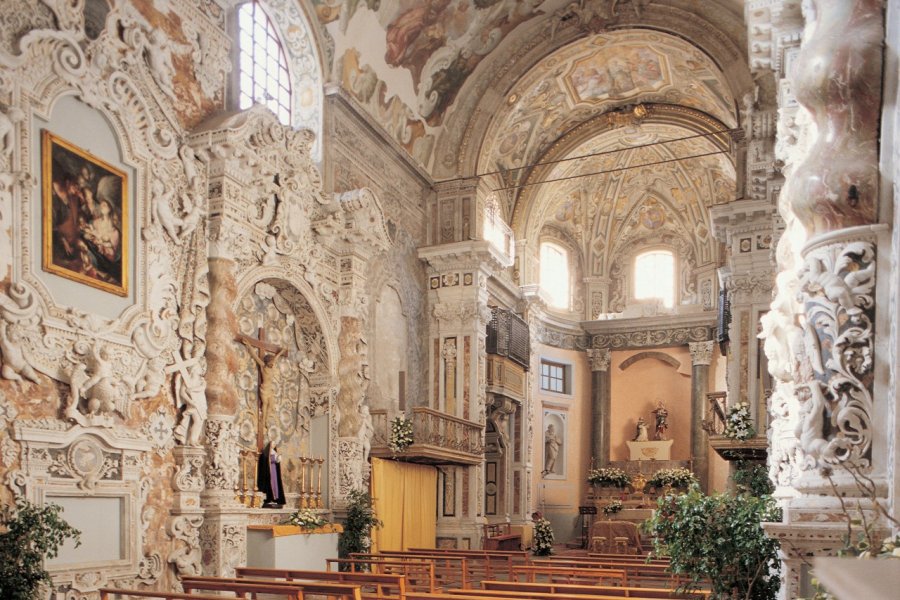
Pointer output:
x,y
601,405
701,357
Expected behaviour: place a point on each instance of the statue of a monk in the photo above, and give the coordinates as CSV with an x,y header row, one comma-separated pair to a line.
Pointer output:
x,y
268,477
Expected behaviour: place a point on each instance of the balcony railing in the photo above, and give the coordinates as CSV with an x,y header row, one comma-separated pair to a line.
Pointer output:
x,y
753,449
438,438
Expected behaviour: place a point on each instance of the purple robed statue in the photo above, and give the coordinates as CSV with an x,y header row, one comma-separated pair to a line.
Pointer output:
x,y
268,477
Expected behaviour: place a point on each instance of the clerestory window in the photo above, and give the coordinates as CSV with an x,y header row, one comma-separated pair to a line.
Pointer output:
x,y
654,277
263,71
555,275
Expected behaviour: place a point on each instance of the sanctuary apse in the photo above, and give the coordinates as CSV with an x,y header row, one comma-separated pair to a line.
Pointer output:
x,y
520,225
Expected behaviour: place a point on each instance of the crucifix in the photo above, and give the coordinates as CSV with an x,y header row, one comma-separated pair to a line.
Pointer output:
x,y
265,355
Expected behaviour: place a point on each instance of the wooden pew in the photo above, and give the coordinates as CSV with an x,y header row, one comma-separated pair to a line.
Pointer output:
x,y
289,589
594,592
637,557
498,561
477,595
374,585
655,574
570,575
112,593
419,574
449,570
574,589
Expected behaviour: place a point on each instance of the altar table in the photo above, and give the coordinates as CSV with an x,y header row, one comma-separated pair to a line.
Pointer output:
x,y
291,547
604,534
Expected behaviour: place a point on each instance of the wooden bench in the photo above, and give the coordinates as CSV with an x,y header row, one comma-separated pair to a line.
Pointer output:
x,y
497,561
449,570
575,589
111,593
570,575
289,589
419,573
481,595
497,536
374,585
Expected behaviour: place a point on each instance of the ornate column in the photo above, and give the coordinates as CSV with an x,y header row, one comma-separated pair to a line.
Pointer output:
x,y
601,405
824,336
701,358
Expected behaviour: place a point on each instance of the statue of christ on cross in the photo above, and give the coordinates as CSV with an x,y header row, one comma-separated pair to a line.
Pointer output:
x,y
266,356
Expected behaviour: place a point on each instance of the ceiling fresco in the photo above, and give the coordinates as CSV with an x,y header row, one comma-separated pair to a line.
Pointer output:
x,y
412,70
595,75
602,213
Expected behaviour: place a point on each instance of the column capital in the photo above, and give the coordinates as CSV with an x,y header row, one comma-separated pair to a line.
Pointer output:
x,y
599,358
701,352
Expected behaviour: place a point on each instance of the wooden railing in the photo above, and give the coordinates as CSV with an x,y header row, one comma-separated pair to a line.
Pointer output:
x,y
438,438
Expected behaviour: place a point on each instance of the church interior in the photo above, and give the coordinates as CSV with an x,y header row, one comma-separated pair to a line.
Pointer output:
x,y
260,257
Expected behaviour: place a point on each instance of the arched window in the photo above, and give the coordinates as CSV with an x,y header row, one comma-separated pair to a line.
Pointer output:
x,y
495,230
555,274
654,277
263,72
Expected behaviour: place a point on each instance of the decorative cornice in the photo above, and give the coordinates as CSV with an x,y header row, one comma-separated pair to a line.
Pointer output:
x,y
473,254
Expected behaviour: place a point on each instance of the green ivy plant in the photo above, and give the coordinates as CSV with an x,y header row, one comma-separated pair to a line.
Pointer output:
x,y
752,478
719,538
361,520
30,533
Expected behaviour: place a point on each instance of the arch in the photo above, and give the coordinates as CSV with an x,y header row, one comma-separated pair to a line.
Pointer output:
x,y
486,92
249,280
652,354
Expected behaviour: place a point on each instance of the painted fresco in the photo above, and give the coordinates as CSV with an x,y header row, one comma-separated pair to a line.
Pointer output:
x,y
595,75
430,46
600,213
617,74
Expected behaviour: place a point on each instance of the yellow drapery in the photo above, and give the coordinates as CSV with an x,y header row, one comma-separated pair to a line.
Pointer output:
x,y
405,499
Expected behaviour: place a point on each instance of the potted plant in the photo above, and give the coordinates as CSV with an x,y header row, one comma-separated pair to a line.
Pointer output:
x,y
719,539
28,535
678,477
361,519
609,477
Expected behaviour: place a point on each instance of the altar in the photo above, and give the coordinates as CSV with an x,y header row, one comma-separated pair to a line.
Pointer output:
x,y
291,547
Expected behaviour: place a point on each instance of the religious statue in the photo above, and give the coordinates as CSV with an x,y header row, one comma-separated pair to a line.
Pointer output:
x,y
266,362
551,449
642,434
662,420
366,432
268,477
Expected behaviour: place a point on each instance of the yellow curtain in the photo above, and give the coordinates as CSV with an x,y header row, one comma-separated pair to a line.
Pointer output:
x,y
405,499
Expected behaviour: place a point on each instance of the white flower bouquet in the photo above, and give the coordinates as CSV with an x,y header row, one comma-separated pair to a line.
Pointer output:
x,y
609,476
307,519
401,434
739,423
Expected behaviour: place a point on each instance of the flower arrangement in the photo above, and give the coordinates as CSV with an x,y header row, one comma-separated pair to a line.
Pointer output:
x,y
738,423
609,476
306,518
677,478
401,434
613,507
543,537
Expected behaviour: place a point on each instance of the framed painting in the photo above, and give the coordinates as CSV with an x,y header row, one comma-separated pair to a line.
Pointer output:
x,y
85,216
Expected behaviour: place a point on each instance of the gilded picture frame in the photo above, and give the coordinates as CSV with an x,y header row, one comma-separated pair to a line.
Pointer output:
x,y
85,216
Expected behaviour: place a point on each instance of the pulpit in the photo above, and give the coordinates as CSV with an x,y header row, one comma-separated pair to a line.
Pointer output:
x,y
291,547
